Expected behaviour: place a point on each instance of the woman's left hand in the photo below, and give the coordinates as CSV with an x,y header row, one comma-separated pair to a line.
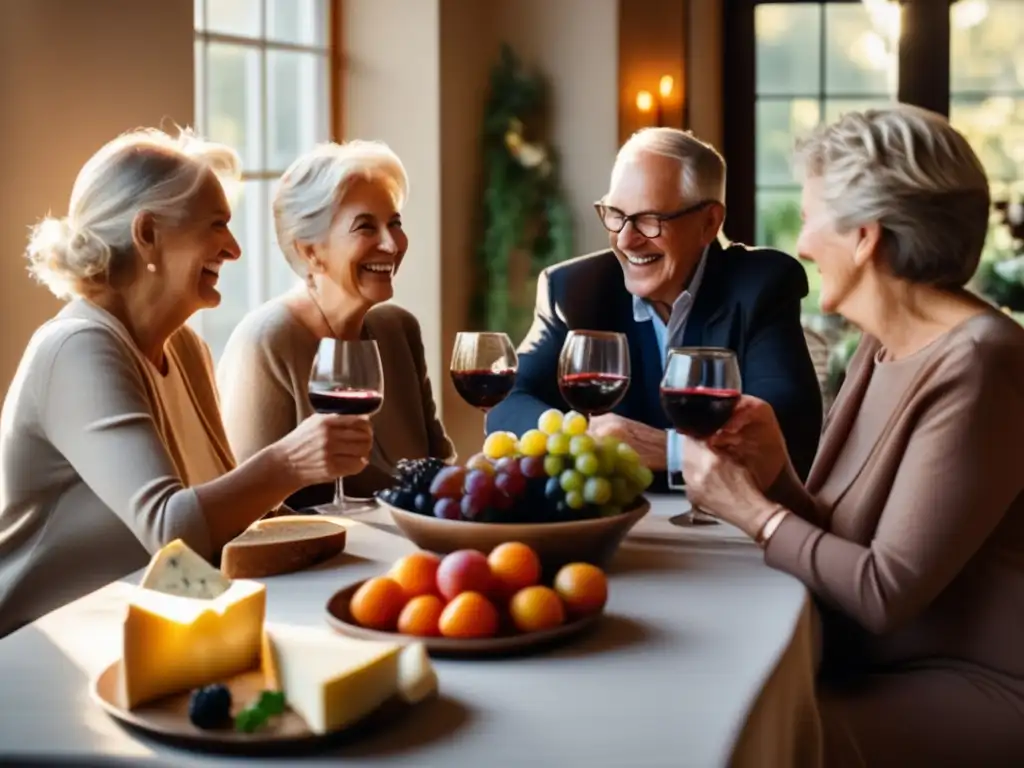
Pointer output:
x,y
721,486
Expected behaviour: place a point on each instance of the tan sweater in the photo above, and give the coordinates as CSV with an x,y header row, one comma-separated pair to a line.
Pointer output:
x,y
911,535
98,453
263,377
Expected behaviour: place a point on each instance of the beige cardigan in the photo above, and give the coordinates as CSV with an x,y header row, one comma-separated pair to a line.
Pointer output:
x,y
263,379
92,476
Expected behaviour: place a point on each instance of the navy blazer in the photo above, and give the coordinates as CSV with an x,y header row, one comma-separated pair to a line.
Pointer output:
x,y
748,301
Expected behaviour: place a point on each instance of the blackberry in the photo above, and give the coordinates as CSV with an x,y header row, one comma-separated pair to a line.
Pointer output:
x,y
210,707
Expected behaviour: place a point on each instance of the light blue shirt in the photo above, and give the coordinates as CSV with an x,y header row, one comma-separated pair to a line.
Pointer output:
x,y
671,335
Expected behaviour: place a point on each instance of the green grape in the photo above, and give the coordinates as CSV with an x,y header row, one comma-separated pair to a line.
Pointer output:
x,y
597,490
609,443
608,460
587,464
574,500
622,492
498,445
581,444
550,421
558,444
553,465
641,476
533,443
574,423
571,480
609,510
627,454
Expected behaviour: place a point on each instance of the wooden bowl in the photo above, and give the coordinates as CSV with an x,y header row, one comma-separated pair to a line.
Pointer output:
x,y
589,541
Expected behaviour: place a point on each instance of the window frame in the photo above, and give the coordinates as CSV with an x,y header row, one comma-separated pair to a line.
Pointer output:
x,y
923,80
260,253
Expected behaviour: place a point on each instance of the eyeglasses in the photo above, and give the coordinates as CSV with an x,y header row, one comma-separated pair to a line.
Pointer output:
x,y
646,223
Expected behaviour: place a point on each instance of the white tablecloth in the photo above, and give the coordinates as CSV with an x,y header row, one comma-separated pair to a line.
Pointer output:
x,y
703,659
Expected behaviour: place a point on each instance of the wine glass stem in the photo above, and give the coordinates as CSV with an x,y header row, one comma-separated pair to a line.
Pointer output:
x,y
339,495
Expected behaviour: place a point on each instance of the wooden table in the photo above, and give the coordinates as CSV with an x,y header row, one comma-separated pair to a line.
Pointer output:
x,y
703,659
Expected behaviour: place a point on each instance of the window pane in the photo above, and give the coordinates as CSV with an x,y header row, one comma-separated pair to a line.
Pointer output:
x,y
836,108
778,226
297,94
303,22
234,17
995,129
234,95
860,50
200,85
788,50
987,46
198,11
234,283
281,277
779,123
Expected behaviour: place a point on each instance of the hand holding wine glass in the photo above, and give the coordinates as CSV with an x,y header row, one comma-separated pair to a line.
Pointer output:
x,y
483,368
593,371
346,379
699,391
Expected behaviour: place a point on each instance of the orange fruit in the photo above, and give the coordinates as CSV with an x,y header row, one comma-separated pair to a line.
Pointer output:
x,y
421,616
583,587
416,573
515,566
536,608
377,603
469,615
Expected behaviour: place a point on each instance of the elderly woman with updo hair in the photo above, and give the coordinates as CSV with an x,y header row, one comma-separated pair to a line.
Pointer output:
x,y
338,216
111,441
910,529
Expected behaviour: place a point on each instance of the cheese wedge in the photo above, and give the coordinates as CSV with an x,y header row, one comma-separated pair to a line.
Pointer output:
x,y
178,570
282,545
417,679
334,681
173,644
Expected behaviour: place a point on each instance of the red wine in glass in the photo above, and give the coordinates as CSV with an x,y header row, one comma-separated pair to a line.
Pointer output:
x,y
593,393
347,378
484,389
483,368
699,392
348,402
698,411
593,371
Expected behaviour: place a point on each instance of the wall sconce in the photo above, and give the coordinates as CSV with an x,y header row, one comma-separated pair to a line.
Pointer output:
x,y
645,102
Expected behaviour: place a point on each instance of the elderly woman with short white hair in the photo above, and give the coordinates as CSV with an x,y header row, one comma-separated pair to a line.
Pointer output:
x,y
910,529
111,441
337,213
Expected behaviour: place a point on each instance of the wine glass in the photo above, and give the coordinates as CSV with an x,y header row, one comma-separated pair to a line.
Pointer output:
x,y
593,371
699,391
347,378
483,368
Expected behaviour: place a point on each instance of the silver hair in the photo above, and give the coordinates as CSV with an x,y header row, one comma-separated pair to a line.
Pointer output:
x,y
146,170
911,172
313,187
702,166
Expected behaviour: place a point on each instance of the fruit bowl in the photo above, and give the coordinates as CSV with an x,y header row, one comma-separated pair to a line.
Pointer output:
x,y
593,540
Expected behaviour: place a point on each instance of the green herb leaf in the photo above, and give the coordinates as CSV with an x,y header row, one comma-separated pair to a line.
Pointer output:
x,y
271,702
248,720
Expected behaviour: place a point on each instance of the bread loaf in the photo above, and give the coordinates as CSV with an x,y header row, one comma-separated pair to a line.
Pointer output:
x,y
282,545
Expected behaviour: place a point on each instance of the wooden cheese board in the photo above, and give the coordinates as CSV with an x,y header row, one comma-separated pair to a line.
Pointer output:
x,y
167,719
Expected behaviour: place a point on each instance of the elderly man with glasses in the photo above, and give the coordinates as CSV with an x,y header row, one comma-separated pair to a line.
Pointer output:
x,y
667,281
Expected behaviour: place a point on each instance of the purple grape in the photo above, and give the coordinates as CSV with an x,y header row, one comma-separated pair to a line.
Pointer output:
x,y
471,508
510,485
508,466
532,467
480,486
448,509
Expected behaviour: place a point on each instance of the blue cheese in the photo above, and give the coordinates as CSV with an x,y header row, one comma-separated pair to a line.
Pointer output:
x,y
178,570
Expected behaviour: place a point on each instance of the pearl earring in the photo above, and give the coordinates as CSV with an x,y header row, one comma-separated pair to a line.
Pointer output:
x,y
151,267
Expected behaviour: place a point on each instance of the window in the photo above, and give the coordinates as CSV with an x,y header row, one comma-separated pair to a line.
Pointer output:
x,y
263,86
813,61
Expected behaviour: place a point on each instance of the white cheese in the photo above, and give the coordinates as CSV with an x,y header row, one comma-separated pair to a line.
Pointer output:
x,y
178,570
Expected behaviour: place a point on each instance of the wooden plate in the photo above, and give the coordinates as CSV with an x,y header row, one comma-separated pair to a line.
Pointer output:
x,y
167,719
340,618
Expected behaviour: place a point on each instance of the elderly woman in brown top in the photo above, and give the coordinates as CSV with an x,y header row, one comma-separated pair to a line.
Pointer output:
x,y
111,441
910,529
338,216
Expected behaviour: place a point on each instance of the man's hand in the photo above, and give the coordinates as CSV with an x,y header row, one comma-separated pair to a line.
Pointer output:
x,y
647,441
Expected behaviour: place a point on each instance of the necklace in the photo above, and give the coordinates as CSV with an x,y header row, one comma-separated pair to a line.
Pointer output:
x,y
320,309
